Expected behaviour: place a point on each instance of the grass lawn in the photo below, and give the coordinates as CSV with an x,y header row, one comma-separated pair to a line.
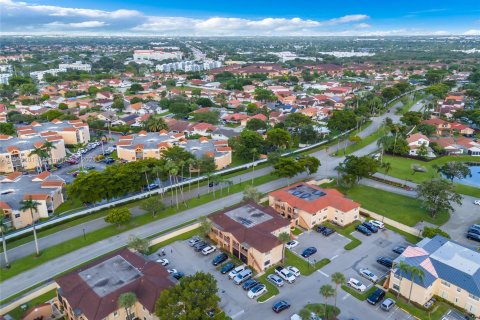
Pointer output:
x,y
296,231
394,206
347,233
18,313
362,296
69,204
183,236
23,264
402,168
362,143
271,289
319,310
291,259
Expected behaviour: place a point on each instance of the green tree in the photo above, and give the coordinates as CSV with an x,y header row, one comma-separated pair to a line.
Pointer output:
x,y
422,150
390,92
118,103
190,299
247,145
412,118
251,193
430,232
126,301
437,196
279,138
287,168
118,216
93,90
7,128
438,91
153,205
359,167
41,154
342,120
264,95
155,124
62,106
284,237
309,164
205,226
297,120
204,102
402,268
415,273
31,206
212,117
307,134
455,169
327,291
138,244
426,129
256,124
134,88
338,278
28,89
3,229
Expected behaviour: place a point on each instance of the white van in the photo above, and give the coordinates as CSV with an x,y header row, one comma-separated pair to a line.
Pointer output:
x,y
378,224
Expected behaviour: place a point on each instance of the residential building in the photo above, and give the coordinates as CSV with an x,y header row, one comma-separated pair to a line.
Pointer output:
x,y
4,78
91,292
159,55
250,232
72,131
451,271
46,189
78,65
38,75
308,205
417,140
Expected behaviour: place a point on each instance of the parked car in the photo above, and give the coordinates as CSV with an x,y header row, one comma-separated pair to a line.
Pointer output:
x,y
477,202
309,251
376,296
108,160
227,267
291,244
200,247
385,261
193,240
370,227
208,249
236,271
163,262
280,306
285,274
172,270
475,226
362,229
90,167
399,249
387,304
178,275
242,276
378,224
473,236
152,186
294,270
357,285
276,280
473,230
257,291
249,284
219,259
328,231
320,229
367,274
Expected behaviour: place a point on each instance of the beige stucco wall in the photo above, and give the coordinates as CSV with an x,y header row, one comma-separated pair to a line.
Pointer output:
x,y
223,161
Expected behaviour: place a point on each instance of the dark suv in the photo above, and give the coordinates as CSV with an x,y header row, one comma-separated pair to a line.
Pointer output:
x,y
370,227
219,259
385,261
376,296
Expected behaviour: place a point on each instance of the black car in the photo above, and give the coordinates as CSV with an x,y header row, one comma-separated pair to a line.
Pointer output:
x,y
376,296
385,261
227,268
199,244
399,249
309,251
219,259
473,230
280,306
320,229
327,231
178,275
370,227
249,284
473,236
108,160
201,247
362,229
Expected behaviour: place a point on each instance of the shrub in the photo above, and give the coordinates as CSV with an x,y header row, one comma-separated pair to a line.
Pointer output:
x,y
430,232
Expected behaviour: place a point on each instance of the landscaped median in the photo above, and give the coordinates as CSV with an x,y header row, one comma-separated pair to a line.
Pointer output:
x,y
305,268
435,313
362,296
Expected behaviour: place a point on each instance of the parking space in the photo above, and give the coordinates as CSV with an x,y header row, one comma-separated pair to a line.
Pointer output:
x,y
327,247
454,315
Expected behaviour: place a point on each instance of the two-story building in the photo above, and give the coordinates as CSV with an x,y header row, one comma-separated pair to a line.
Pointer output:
x,y
308,205
450,271
72,131
249,232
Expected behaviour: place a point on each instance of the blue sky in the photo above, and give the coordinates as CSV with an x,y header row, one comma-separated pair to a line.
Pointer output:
x,y
230,18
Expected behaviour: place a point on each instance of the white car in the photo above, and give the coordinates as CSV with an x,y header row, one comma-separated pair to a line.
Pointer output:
x,y
357,285
378,224
236,271
477,202
367,274
163,262
257,291
207,250
172,270
291,244
285,274
294,270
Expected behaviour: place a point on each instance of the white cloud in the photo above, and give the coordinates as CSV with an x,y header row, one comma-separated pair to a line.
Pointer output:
x,y
348,18
363,25
84,24
472,32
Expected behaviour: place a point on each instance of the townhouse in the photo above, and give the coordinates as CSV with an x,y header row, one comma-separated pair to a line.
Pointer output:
x,y
72,131
250,232
46,189
308,205
146,145
418,140
451,271
91,292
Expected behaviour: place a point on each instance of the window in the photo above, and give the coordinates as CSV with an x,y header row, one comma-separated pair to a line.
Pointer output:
x,y
115,314
471,296
397,276
266,263
17,215
396,287
445,283
459,290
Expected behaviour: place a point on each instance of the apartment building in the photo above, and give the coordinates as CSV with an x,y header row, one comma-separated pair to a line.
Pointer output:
x,y
92,292
450,271
146,145
158,55
308,205
249,232
72,131
78,65
46,189
16,152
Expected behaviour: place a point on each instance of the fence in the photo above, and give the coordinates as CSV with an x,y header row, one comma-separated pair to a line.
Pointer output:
x,y
393,223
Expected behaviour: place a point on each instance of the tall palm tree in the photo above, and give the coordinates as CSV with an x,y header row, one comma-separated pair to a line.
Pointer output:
x,y
338,278
159,170
172,169
48,146
31,206
402,268
284,237
327,291
41,154
154,124
2,231
386,166
415,272
127,300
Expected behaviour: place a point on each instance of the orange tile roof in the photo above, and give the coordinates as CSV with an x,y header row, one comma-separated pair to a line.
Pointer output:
x,y
224,149
124,143
42,176
52,183
5,206
13,176
35,196
12,148
5,137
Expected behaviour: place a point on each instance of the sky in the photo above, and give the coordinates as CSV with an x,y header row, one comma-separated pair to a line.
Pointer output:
x,y
241,18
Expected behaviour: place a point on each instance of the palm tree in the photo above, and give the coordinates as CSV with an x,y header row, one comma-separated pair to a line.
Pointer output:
x,y
284,237
386,166
127,300
415,272
41,154
159,170
2,231
338,278
327,291
154,124
48,146
172,172
254,157
402,268
31,206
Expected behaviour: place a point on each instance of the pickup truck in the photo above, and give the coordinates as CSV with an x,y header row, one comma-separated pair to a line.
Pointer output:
x,y
285,274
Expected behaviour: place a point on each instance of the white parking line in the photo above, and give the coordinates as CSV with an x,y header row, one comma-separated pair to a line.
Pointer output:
x,y
326,275
237,314
334,257
346,296
341,235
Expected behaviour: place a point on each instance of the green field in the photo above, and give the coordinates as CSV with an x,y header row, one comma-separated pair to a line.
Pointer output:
x,y
402,168
362,143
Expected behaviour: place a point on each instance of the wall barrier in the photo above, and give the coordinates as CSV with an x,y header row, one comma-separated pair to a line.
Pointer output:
x,y
393,223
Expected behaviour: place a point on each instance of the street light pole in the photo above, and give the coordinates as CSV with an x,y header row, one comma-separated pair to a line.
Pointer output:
x,y
84,235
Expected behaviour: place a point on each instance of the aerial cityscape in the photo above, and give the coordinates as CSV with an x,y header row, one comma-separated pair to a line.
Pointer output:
x,y
258,160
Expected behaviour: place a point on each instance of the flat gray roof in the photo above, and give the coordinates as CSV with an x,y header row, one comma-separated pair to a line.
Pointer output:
x,y
305,192
248,216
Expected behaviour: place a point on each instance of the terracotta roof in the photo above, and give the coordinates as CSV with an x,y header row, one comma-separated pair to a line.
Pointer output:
x,y
5,206
415,137
147,287
124,143
36,196
224,149
332,198
52,183
5,137
13,176
42,176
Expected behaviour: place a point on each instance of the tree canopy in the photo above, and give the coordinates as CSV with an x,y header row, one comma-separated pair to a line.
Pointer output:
x,y
437,196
